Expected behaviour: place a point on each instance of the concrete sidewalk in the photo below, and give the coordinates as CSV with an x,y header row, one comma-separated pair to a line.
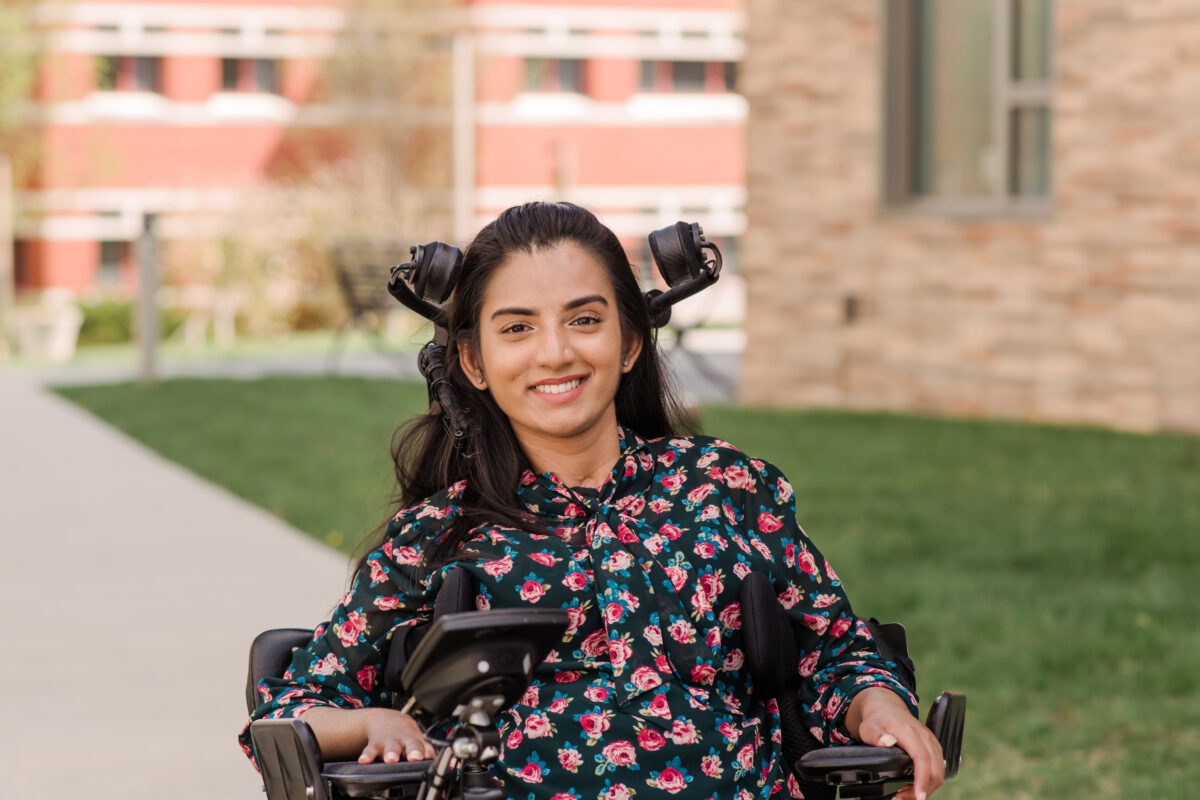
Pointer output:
x,y
133,589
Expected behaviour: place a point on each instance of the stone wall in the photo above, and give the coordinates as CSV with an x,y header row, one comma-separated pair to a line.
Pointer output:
x,y
1090,314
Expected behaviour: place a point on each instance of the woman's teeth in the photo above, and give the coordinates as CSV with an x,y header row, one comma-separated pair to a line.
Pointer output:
x,y
557,388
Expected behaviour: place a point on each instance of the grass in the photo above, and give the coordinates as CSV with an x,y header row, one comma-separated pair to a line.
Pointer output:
x,y
1047,572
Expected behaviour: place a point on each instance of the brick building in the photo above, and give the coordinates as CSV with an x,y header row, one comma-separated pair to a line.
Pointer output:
x,y
977,207
177,108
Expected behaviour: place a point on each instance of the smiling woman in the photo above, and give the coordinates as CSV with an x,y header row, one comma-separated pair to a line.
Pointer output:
x,y
576,490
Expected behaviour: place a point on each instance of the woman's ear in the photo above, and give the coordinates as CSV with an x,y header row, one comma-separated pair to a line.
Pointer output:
x,y
471,368
633,348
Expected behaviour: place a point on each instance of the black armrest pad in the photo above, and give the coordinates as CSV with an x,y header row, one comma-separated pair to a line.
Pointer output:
x,y
270,654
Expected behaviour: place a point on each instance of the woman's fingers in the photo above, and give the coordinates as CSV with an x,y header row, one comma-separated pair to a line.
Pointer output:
x,y
928,765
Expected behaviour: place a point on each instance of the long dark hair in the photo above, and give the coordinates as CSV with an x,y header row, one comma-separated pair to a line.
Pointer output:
x,y
491,461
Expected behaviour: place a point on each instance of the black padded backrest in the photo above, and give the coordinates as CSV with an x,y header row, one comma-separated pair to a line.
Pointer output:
x,y
457,595
771,654
270,654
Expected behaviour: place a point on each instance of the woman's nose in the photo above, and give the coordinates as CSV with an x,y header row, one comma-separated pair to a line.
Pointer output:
x,y
555,349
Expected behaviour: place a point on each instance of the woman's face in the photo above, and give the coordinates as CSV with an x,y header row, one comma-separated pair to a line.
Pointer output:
x,y
551,350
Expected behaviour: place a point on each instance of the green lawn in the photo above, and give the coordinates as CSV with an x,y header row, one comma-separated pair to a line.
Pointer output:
x,y
1047,572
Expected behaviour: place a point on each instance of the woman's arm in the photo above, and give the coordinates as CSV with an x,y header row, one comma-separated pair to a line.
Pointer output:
x,y
878,716
367,734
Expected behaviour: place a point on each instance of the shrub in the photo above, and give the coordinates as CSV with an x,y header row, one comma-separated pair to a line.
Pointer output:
x,y
111,322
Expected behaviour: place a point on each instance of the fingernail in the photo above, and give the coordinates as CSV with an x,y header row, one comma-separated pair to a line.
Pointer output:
x,y
920,796
887,740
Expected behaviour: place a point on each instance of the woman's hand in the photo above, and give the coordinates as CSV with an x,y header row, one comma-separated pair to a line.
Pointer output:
x,y
392,735
877,716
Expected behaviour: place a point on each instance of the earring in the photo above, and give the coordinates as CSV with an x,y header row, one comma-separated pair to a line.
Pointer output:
x,y
479,379
624,362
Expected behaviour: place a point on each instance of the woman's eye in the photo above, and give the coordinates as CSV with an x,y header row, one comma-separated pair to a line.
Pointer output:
x,y
586,319
516,327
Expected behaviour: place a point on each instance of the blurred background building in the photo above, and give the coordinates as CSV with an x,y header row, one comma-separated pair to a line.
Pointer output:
x,y
185,109
980,207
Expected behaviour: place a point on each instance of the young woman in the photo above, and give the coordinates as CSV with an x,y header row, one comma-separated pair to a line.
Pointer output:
x,y
577,490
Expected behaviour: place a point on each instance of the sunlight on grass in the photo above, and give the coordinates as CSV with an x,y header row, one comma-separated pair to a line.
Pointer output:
x,y
1047,572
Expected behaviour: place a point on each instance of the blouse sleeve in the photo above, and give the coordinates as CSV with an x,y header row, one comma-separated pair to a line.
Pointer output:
x,y
343,664
838,657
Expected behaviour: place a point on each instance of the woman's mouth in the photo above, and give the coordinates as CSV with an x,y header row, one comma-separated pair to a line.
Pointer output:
x,y
558,388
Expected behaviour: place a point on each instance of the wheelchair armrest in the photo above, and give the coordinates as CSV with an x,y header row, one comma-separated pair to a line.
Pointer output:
x,y
290,761
863,766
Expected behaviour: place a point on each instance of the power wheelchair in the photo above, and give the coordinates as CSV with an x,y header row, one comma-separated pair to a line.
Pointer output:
x,y
465,667
458,672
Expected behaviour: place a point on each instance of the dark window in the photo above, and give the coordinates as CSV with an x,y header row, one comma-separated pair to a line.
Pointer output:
x,y
553,75
266,75
969,105
21,266
112,254
147,73
229,74
688,76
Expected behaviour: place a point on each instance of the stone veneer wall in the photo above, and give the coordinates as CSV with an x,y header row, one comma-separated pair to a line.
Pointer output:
x,y
1090,315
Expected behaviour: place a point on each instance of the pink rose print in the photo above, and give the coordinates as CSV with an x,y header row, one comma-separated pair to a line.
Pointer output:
x,y
702,491
783,490
790,597
514,740
531,773
670,780
734,661
741,569
712,637
818,624
678,576
531,696
576,580
768,522
594,725
654,544
569,758
728,731
763,550
620,560
498,567
597,694
703,461
667,458
545,559
387,603
328,665
704,549
351,628
829,571
808,564
832,706
620,753
658,706
366,677
532,591
808,664
670,531
730,616
738,477
712,585
482,603
745,756
716,474
703,673
672,481
595,643
825,600
653,635
840,627
619,652
407,556
537,726
650,739
711,766
564,796
558,705
377,573
710,512
700,603
618,792
683,732
645,678
659,505
682,631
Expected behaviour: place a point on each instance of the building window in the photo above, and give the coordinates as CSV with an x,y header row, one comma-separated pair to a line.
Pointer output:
x,y
553,75
229,74
253,74
687,76
969,105
128,73
112,255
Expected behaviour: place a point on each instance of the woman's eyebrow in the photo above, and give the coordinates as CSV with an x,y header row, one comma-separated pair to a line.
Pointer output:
x,y
529,312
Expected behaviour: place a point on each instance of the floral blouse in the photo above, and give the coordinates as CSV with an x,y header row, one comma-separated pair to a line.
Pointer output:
x,y
647,695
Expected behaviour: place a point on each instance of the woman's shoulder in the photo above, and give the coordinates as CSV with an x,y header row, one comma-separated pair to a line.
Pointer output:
x,y
430,516
709,449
